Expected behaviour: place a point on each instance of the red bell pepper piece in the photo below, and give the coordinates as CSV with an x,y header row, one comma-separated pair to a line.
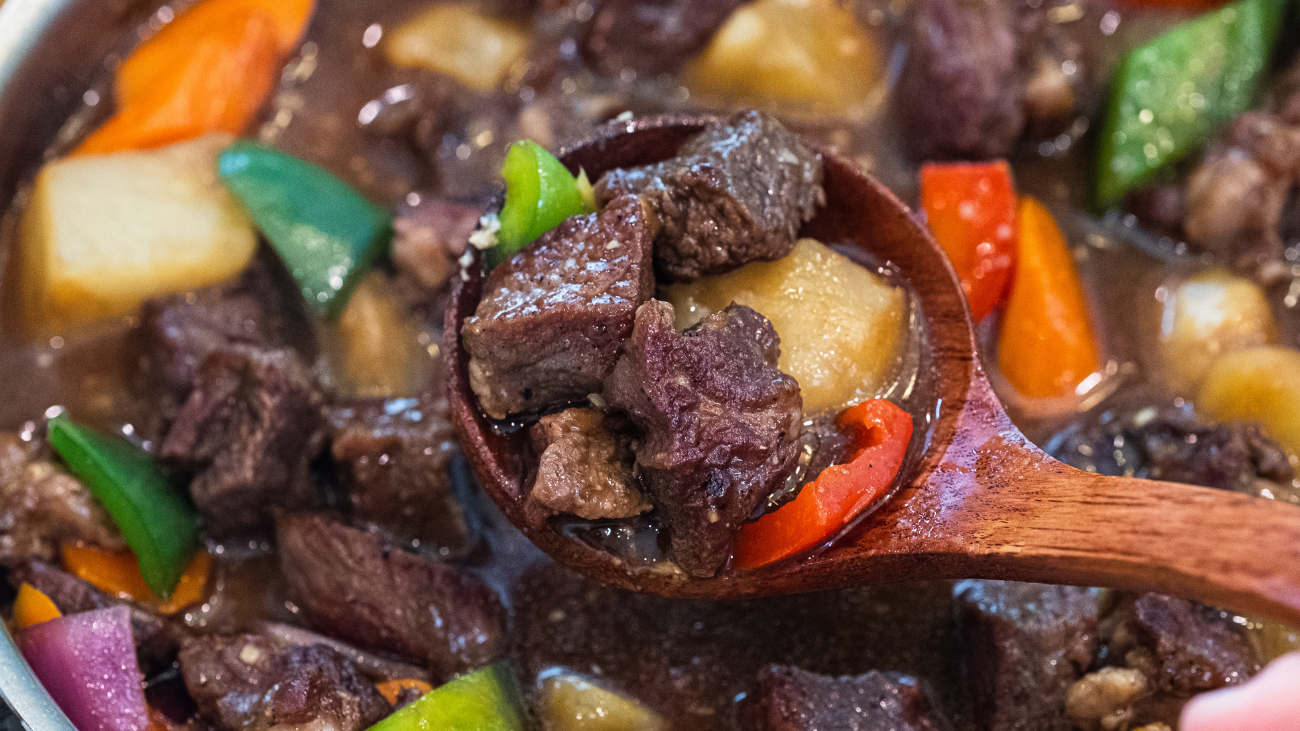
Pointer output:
x,y
880,433
972,212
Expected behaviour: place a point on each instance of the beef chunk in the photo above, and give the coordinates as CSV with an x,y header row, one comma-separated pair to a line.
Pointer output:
x,y
586,466
736,193
252,682
553,318
430,237
790,699
1170,444
41,507
353,586
1181,646
650,37
1160,208
721,423
960,94
394,456
1024,645
156,638
249,429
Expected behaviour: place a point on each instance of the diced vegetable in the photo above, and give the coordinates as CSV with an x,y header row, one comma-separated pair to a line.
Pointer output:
x,y
325,232
104,233
1257,385
31,607
972,212
880,432
87,663
1172,93
841,325
392,690
377,345
484,700
570,702
156,520
458,40
1208,315
118,573
772,51
540,194
1046,346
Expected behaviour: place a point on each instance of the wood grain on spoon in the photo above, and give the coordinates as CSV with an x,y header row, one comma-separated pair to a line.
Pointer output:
x,y
982,502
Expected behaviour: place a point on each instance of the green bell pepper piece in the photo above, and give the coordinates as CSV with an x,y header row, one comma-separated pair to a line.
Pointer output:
x,y
540,194
157,521
484,700
1169,95
325,232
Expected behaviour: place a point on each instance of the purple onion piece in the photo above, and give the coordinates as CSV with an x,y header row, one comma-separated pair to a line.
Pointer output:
x,y
87,662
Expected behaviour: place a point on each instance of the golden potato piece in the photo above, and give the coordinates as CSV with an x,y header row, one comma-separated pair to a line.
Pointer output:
x,y
1260,385
1206,316
103,233
570,702
476,49
375,347
841,325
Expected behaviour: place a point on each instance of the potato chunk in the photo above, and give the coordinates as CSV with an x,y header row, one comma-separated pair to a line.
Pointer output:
x,y
841,325
1206,316
802,51
374,348
1260,385
476,49
570,702
103,233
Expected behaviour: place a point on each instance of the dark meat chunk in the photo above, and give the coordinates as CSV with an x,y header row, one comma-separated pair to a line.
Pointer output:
x,y
962,88
1160,208
156,638
586,466
249,429
553,318
1170,444
394,456
790,699
650,37
736,193
430,237
252,682
722,424
1023,646
41,507
1182,647
353,586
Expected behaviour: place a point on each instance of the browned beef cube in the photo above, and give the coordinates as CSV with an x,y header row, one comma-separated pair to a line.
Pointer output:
x,y
721,423
586,466
738,192
350,584
650,37
1023,646
790,699
252,682
394,456
553,318
249,430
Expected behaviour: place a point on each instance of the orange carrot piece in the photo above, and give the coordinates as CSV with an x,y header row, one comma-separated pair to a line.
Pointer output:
x,y
33,607
391,690
118,573
172,46
1046,346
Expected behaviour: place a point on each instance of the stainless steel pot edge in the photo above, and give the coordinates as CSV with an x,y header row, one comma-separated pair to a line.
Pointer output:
x,y
22,24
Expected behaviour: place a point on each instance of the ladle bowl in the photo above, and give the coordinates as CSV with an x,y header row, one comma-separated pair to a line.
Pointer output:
x,y
980,502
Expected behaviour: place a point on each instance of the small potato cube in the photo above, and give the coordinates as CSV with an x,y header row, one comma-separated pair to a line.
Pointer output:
x,y
374,347
841,325
1260,385
104,233
476,49
570,702
1206,316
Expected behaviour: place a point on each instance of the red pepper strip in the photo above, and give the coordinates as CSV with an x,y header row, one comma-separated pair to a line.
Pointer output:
x,y
972,212
880,433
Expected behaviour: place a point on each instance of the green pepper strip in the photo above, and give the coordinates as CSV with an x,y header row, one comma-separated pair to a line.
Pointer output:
x,y
484,700
325,232
1172,93
158,523
540,194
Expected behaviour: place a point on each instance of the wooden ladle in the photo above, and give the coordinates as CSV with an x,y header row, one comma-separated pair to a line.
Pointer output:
x,y
980,502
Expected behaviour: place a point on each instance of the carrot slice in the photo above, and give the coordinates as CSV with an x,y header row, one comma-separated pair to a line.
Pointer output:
x,y
33,607
118,573
391,690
